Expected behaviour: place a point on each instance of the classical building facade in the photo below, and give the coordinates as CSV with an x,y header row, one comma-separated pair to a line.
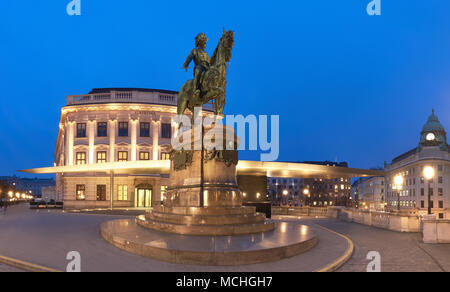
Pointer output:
x,y
369,193
432,151
120,125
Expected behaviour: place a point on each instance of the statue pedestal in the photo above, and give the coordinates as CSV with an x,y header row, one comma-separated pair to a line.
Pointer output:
x,y
203,197
204,178
202,220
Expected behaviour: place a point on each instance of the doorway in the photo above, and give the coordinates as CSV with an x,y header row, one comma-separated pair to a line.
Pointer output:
x,y
144,196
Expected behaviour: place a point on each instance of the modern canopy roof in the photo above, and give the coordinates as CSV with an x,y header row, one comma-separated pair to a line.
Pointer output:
x,y
258,168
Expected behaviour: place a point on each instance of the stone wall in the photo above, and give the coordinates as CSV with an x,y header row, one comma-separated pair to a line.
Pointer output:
x,y
436,231
397,222
300,211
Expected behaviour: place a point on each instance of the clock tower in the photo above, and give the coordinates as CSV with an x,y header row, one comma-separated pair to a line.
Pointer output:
x,y
433,134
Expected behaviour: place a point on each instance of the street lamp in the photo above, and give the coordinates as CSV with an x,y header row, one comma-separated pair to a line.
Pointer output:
x,y
285,193
429,173
306,193
398,185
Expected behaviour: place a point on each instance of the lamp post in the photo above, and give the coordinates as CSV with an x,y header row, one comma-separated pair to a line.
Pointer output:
x,y
285,193
429,173
398,185
306,194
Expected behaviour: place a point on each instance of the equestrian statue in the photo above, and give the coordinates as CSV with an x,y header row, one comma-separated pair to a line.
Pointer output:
x,y
209,81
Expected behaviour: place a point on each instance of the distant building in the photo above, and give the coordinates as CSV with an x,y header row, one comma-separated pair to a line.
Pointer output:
x,y
433,151
369,193
29,185
322,192
49,194
286,191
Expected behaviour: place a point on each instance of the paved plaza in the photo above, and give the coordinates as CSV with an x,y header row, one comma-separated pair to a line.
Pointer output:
x,y
45,238
8,269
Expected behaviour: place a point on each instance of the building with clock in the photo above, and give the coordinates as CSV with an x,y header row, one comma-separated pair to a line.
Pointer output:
x,y
406,185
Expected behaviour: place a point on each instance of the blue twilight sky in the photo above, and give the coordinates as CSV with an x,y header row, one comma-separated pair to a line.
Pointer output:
x,y
346,85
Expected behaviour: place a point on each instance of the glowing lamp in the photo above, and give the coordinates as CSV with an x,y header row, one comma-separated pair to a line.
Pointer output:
x,y
429,172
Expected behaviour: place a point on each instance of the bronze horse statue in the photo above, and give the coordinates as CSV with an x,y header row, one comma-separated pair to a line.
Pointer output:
x,y
213,83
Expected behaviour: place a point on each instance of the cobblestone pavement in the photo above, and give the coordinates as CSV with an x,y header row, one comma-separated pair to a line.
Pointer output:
x,y
45,238
400,252
8,269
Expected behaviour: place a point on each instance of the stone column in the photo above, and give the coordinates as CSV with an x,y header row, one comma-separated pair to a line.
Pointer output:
x,y
66,143
133,139
69,142
112,139
111,189
91,137
156,196
155,133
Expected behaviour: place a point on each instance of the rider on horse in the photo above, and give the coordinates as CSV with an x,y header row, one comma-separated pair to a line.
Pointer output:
x,y
201,61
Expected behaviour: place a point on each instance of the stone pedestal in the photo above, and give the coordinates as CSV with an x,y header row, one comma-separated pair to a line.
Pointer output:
x,y
203,197
202,220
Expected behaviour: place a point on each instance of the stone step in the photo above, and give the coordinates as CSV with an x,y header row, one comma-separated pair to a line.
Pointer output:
x,y
206,230
288,240
207,219
205,211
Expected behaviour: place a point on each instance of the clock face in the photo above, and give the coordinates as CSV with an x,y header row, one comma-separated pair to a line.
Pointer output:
x,y
431,137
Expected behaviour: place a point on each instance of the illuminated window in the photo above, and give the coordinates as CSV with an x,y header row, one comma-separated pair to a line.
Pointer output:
x,y
101,157
440,192
81,130
144,156
101,192
123,129
163,191
81,158
122,193
165,156
102,129
81,192
123,156
145,129
166,131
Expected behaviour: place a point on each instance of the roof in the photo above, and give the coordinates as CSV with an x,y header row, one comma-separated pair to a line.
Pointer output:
x,y
327,163
404,155
127,89
257,168
433,124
